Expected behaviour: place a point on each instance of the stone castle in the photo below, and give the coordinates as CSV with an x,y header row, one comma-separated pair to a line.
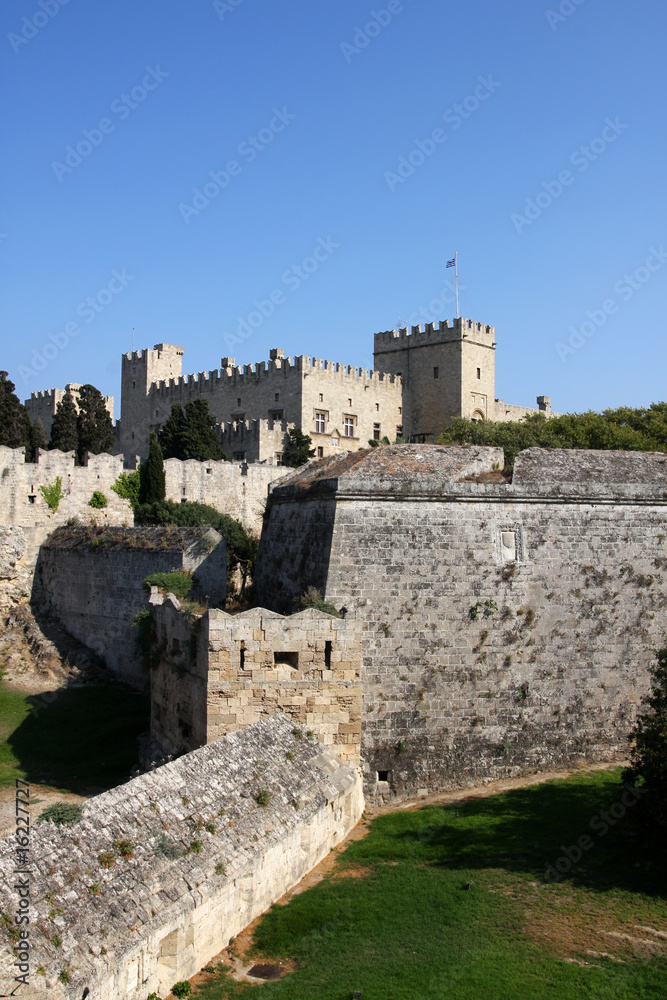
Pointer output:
x,y
423,377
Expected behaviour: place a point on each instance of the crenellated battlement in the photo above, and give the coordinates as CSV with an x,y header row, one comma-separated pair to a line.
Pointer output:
x,y
458,329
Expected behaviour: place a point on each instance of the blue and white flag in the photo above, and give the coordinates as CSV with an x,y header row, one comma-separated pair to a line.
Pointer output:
x,y
452,262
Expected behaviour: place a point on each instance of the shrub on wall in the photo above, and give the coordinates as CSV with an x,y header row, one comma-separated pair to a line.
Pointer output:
x,y
53,493
127,486
98,500
177,583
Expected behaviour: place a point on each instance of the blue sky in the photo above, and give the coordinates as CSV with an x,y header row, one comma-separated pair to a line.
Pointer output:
x,y
303,113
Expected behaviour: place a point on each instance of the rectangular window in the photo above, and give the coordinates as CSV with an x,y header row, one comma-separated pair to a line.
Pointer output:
x,y
238,401
479,373
238,456
277,397
348,427
376,432
349,402
276,414
377,407
278,458
400,411
320,423
399,432
327,653
320,452
321,397
286,659
31,498
436,373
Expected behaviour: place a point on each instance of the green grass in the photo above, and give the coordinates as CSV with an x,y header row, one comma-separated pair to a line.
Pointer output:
x,y
84,740
408,929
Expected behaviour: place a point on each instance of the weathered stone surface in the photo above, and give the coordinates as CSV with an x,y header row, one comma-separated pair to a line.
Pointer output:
x,y
504,627
91,580
150,919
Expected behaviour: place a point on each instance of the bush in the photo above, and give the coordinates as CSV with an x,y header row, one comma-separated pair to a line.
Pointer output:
x,y
182,989
60,813
648,754
298,450
53,493
178,583
127,486
313,599
98,500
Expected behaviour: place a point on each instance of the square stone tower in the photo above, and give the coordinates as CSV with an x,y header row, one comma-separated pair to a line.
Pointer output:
x,y
138,371
447,372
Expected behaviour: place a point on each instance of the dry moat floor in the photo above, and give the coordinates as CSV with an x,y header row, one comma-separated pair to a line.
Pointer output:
x,y
448,898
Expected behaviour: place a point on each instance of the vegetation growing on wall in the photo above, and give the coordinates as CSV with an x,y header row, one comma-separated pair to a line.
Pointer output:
x,y
297,450
127,486
98,500
312,598
177,583
53,493
624,429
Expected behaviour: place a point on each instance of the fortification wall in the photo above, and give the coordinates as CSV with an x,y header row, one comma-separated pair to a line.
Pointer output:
x,y
221,673
160,915
91,580
43,404
22,502
505,628
233,488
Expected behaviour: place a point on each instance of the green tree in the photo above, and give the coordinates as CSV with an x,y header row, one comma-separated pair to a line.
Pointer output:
x,y
297,450
14,419
152,486
191,433
37,439
128,486
648,754
94,425
64,433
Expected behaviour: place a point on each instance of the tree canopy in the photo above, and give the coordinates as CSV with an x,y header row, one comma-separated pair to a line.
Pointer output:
x,y
648,754
93,423
623,429
297,450
64,433
14,419
152,485
190,432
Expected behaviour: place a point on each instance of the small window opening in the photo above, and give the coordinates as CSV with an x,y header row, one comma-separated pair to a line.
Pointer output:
x,y
436,373
277,397
383,775
479,373
321,397
31,498
242,656
376,432
286,660
238,401
320,452
328,645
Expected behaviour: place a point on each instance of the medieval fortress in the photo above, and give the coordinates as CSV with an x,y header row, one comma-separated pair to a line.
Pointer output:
x,y
487,625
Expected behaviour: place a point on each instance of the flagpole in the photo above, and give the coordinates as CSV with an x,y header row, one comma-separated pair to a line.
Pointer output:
x,y
456,272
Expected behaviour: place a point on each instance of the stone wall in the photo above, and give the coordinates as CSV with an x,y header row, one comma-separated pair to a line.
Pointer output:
x,y
505,627
22,502
158,916
91,580
219,673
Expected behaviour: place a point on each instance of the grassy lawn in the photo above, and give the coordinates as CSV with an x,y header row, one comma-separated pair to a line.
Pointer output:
x,y
396,919
84,740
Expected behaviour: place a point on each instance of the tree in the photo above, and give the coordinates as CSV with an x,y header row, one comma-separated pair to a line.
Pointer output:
x,y
298,451
152,487
37,438
191,433
648,754
94,425
64,433
14,419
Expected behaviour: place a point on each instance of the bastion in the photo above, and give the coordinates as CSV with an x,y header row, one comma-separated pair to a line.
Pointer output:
x,y
507,623
158,874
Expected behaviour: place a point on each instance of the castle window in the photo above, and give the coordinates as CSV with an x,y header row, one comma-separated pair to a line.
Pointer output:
x,y
320,452
278,458
334,442
436,373
277,397
242,656
238,456
31,498
286,660
134,385
209,471
479,373
383,775
321,397
238,401
377,407
400,411
399,432
275,414
376,432
349,402
156,413
184,491
320,423
348,427
328,645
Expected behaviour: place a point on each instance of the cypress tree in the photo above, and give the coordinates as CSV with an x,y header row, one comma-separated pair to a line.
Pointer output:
x,y
172,435
37,439
191,433
94,425
64,434
14,419
152,479
297,450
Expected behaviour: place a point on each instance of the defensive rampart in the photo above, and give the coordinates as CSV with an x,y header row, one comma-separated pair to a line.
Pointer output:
x,y
506,627
91,580
158,874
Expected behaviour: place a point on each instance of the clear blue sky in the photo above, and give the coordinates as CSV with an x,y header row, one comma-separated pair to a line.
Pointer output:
x,y
335,109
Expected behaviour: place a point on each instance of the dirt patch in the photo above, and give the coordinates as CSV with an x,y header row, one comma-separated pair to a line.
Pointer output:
x,y
40,798
351,871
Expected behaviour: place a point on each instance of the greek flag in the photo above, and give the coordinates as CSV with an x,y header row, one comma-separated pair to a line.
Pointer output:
x,y
452,262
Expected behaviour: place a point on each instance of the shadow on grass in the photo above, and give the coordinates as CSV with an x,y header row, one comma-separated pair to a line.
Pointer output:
x,y
529,829
83,741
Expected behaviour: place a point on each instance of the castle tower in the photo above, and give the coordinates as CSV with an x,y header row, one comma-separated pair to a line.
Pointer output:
x,y
138,371
447,372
